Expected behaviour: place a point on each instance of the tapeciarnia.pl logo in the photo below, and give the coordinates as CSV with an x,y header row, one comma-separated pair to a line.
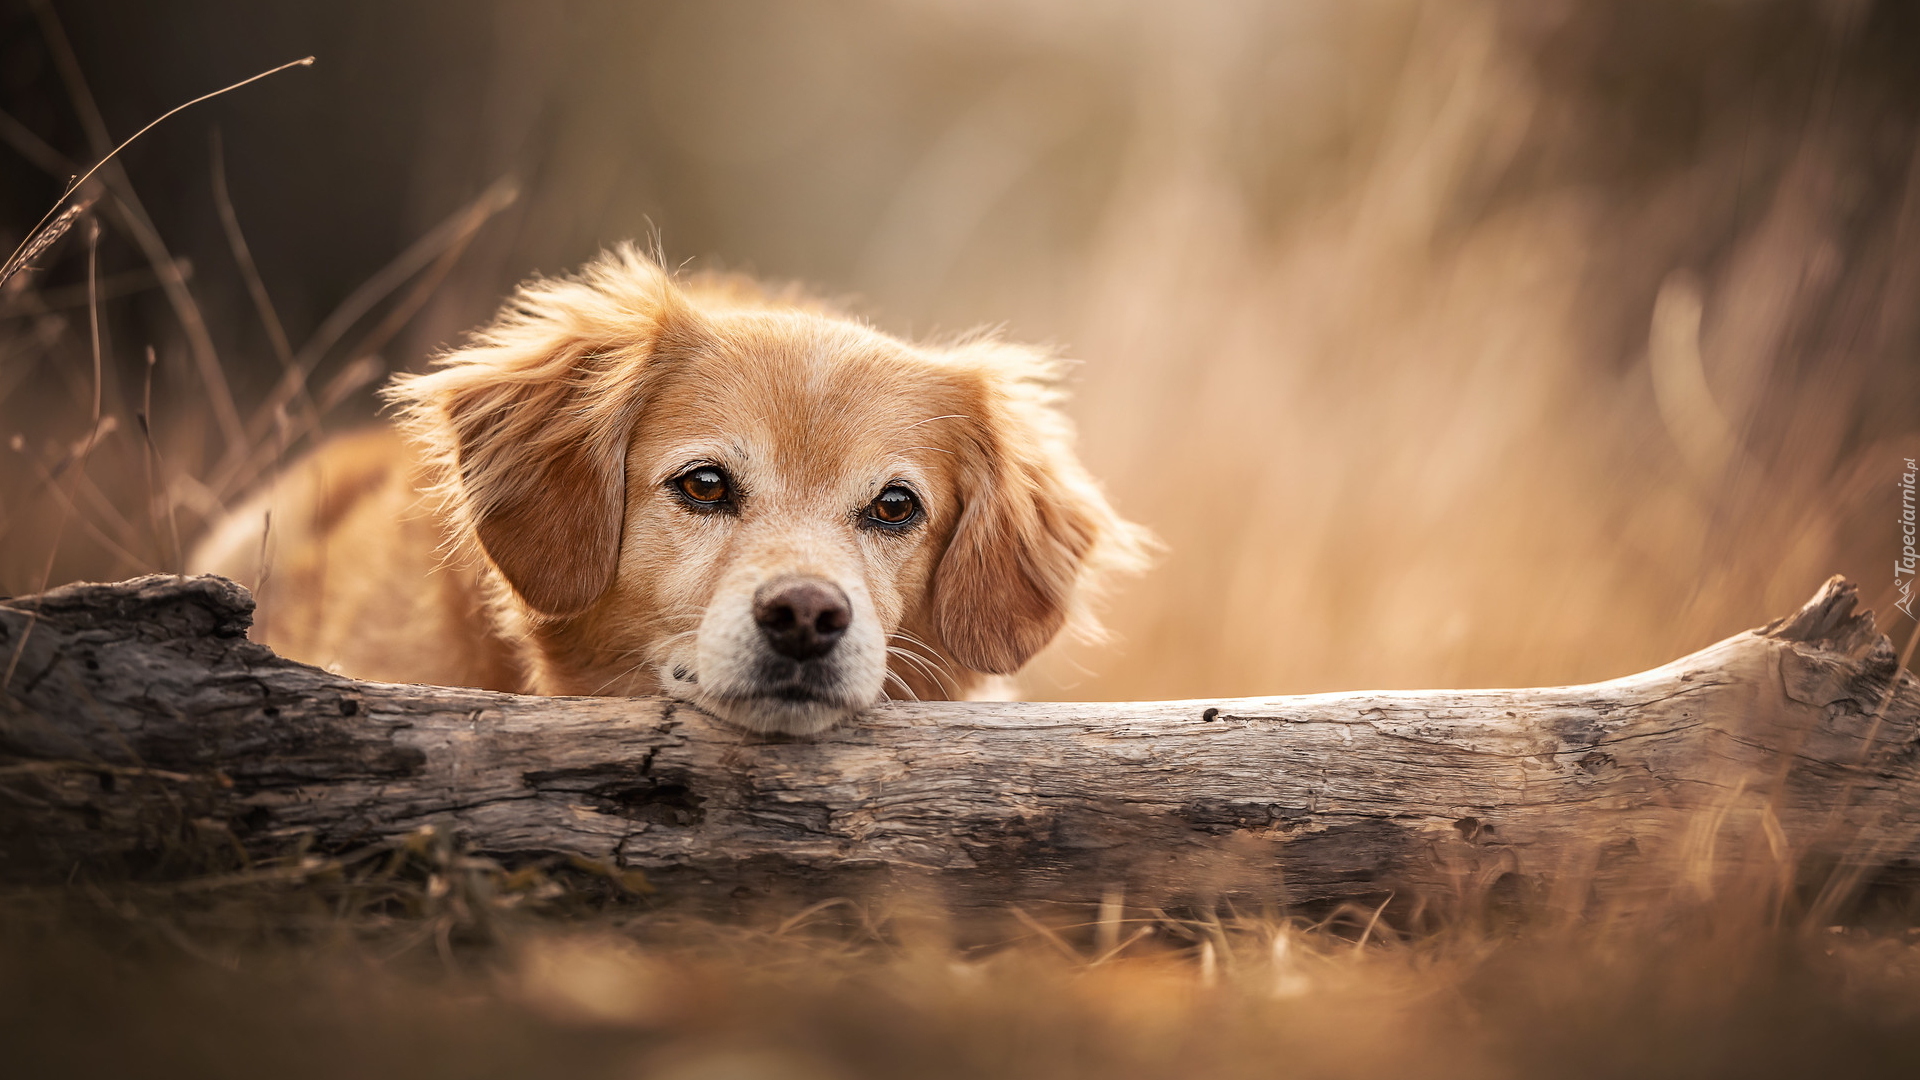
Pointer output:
x,y
1904,566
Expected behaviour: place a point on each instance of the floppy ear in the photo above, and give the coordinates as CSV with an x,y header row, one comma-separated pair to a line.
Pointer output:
x,y
1033,525
528,424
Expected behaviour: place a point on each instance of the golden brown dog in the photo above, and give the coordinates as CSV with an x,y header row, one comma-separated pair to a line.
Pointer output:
x,y
635,485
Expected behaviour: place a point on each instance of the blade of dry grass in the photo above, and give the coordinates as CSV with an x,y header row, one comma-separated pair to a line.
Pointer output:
x,y
434,252
78,458
46,235
82,485
64,54
498,196
27,303
105,513
34,148
150,458
80,455
81,489
455,229
1046,934
140,225
301,399
243,258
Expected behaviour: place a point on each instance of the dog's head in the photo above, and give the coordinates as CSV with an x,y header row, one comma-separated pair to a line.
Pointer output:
x,y
754,505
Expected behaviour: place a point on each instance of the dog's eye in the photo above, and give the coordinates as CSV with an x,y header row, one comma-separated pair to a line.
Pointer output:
x,y
705,485
895,506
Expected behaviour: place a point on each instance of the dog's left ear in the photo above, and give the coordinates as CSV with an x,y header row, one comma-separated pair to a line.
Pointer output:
x,y
528,425
1033,529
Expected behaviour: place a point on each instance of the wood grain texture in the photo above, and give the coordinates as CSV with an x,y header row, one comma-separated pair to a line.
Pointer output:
x,y
139,721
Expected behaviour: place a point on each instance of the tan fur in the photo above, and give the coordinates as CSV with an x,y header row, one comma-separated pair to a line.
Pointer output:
x,y
549,556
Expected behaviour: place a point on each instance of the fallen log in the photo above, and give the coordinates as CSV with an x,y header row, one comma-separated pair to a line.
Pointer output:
x,y
138,716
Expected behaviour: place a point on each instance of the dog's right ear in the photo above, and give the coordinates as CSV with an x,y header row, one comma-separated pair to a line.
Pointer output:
x,y
528,424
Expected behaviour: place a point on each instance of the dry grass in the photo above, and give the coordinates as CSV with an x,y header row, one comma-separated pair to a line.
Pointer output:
x,y
1443,343
427,963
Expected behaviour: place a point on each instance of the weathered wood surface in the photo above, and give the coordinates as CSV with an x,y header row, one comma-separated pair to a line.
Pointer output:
x,y
138,716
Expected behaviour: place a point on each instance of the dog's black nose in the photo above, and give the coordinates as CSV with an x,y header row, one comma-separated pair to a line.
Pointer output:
x,y
801,617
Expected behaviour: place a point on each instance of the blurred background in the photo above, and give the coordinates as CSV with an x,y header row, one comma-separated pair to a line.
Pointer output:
x,y
1443,343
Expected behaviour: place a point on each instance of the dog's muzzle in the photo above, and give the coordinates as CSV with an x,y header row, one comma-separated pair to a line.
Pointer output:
x,y
792,658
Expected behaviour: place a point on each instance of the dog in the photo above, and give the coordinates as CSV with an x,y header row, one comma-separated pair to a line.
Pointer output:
x,y
630,483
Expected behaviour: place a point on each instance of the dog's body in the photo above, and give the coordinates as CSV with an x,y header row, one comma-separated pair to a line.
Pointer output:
x,y
637,486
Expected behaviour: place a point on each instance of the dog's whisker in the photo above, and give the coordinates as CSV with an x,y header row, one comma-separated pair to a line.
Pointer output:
x,y
925,662
657,652
938,689
623,655
904,688
944,678
911,662
668,641
939,684
600,690
651,653
908,637
931,419
925,666
927,651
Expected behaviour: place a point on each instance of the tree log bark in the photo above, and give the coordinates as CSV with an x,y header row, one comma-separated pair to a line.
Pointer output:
x,y
138,717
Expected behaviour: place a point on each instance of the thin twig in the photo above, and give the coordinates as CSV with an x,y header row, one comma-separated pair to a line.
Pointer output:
x,y
1371,923
94,432
33,303
430,251
418,256
269,318
152,457
495,199
808,912
34,148
141,228
1046,934
70,506
100,505
93,321
243,257
1122,946
86,447
17,259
